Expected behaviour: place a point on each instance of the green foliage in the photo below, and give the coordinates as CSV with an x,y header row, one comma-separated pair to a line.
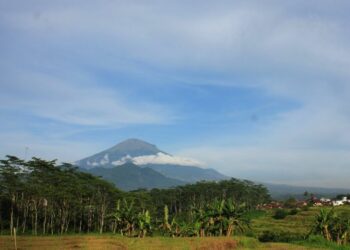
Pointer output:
x,y
290,203
294,211
332,226
305,208
274,236
320,242
280,214
254,214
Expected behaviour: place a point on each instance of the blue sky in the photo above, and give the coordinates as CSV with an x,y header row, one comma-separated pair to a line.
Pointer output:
x,y
257,90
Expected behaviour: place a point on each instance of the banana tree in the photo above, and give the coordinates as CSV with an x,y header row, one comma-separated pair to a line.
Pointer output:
x,y
144,223
216,211
165,227
339,229
128,217
234,219
117,218
322,223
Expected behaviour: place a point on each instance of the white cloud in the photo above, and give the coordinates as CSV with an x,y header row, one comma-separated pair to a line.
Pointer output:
x,y
104,160
123,160
159,158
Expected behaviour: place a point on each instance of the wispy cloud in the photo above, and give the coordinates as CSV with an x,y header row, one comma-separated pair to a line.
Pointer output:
x,y
159,158
82,103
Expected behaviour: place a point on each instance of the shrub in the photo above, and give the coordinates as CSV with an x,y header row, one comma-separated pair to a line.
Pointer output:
x,y
305,208
254,214
280,214
294,211
268,236
271,236
290,203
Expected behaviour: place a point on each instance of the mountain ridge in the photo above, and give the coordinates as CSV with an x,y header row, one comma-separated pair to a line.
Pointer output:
x,y
131,177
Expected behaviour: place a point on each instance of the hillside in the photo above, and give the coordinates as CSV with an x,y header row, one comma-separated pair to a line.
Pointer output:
x,y
187,173
130,177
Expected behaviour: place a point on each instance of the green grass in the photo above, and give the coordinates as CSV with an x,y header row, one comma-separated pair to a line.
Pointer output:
x,y
298,224
301,223
294,228
320,242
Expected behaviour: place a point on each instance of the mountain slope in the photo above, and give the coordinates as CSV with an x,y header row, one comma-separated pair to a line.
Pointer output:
x,y
130,177
187,173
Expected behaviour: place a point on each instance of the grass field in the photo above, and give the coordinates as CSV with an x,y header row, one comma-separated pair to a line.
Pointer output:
x,y
299,224
115,242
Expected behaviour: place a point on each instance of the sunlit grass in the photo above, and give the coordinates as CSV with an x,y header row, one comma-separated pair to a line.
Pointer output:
x,y
299,224
117,242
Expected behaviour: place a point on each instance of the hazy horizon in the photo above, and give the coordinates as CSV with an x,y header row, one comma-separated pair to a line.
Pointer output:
x,y
256,90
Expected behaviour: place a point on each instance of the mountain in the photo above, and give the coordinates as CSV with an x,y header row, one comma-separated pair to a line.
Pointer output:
x,y
148,156
124,150
130,177
187,173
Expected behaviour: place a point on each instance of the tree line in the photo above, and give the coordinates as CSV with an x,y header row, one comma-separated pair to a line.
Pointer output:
x,y
42,197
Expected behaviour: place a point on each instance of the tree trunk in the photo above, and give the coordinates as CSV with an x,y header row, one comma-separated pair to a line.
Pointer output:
x,y
17,222
51,222
25,215
80,222
102,216
44,223
35,218
11,214
229,230
114,226
0,220
327,234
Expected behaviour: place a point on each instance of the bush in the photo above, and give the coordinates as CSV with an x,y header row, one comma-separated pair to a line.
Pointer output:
x,y
290,203
305,208
254,214
280,214
270,236
294,211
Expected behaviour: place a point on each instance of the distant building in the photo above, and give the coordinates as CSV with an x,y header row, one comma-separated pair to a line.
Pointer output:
x,y
341,202
325,200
